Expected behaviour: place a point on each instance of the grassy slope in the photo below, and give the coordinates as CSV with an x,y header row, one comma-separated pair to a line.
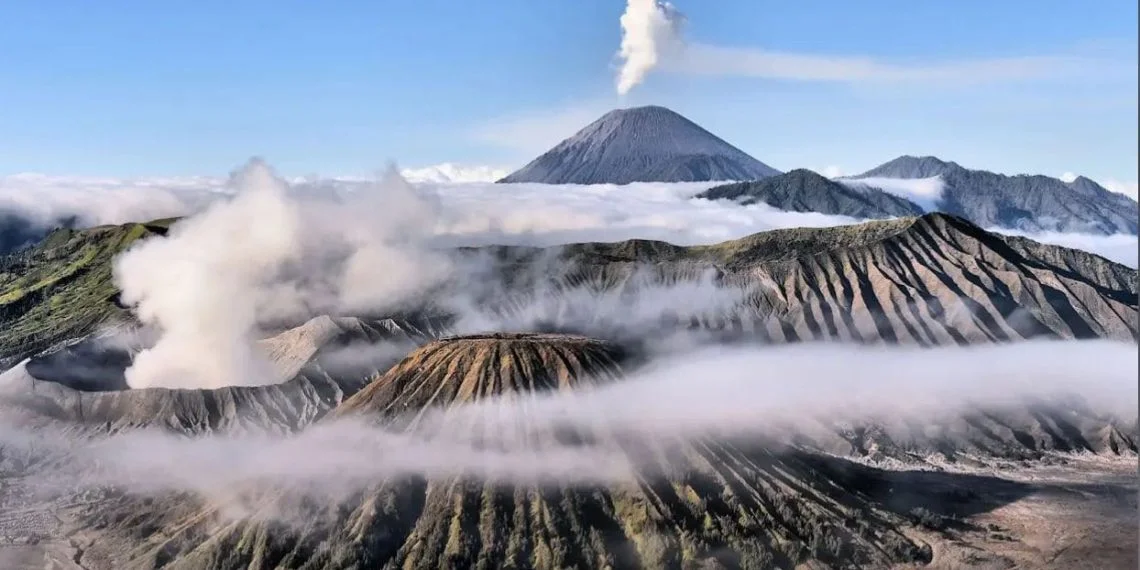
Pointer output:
x,y
62,288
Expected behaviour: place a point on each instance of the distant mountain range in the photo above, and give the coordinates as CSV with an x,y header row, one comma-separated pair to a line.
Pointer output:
x,y
641,144
909,185
1024,202
655,144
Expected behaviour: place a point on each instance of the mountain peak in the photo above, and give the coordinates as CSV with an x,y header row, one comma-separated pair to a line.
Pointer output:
x,y
643,110
642,144
908,166
803,190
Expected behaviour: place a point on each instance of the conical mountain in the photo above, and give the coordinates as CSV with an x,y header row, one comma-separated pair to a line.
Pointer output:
x,y
641,144
683,503
908,166
487,366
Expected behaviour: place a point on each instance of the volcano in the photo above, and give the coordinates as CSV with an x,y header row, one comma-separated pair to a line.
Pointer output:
x,y
686,503
641,144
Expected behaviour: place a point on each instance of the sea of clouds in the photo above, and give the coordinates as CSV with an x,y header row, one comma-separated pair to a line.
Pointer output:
x,y
536,214
258,248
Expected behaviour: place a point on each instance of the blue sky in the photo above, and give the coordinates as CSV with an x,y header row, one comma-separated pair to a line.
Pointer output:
x,y
121,88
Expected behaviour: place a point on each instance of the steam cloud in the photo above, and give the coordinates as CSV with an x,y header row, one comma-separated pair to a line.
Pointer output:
x,y
651,31
209,283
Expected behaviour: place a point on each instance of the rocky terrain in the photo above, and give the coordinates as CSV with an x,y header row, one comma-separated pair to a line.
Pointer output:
x,y
728,505
929,280
1023,202
59,384
641,144
950,489
61,289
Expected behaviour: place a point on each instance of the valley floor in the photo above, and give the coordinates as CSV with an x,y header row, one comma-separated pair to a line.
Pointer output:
x,y
1081,513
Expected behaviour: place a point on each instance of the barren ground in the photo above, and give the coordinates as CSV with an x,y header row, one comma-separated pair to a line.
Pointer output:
x,y
1072,513
1079,514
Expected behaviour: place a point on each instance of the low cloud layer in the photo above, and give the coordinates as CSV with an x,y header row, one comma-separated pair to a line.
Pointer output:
x,y
1121,248
262,249
44,200
720,392
449,173
482,212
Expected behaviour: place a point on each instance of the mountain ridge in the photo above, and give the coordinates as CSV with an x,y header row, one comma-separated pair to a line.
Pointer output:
x,y
32,321
1028,202
802,190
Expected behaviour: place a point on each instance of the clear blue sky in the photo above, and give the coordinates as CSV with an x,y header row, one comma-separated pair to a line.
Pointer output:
x,y
174,87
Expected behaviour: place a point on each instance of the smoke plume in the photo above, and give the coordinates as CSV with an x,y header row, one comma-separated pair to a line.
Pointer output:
x,y
270,254
651,31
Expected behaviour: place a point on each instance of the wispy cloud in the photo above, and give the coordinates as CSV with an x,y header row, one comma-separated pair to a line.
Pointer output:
x,y
653,38
712,60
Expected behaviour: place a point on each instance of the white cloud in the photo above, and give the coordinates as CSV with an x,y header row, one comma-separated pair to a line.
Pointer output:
x,y
44,199
448,172
1068,177
544,214
517,213
832,171
1130,189
922,191
768,391
712,60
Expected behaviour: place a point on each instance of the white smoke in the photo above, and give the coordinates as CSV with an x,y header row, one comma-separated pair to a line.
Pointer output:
x,y
267,254
651,31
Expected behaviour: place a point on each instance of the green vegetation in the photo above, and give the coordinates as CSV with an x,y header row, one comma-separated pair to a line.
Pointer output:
x,y
61,288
